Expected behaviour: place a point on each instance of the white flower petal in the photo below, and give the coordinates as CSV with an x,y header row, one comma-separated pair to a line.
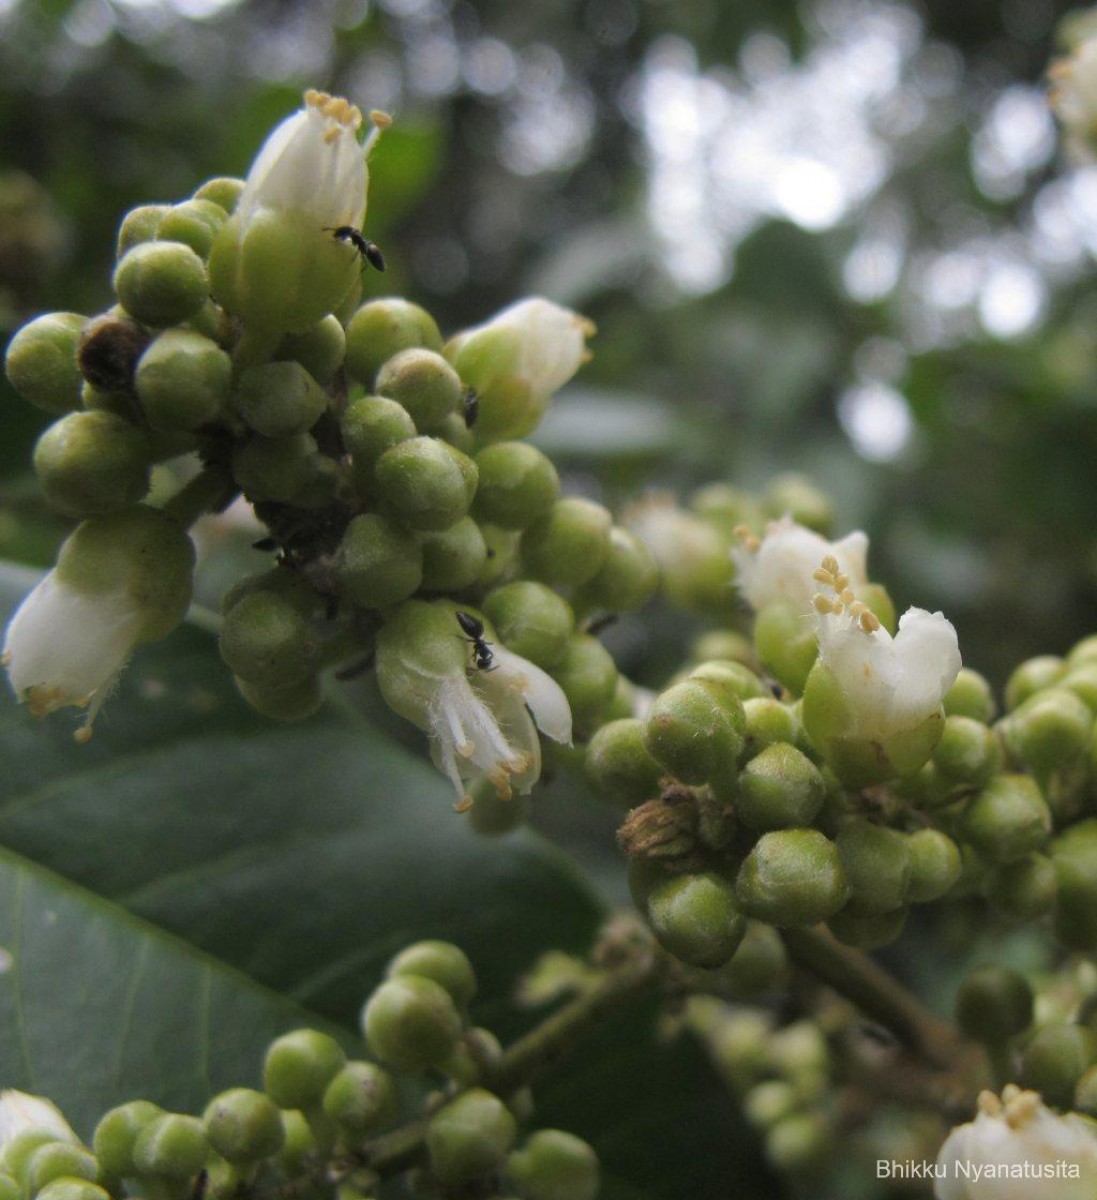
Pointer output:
x,y
927,653
19,1111
540,693
66,647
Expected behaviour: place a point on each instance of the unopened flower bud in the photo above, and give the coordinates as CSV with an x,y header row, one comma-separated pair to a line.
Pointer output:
x,y
532,620
1074,853
183,380
278,399
424,383
693,557
299,1066
370,426
291,702
758,963
377,564
222,190
381,329
41,362
619,765
970,696
194,223
1054,1058
792,877
568,546
587,675
117,1132
934,865
139,225
1049,731
1007,819
786,643
445,963
554,1165
171,1147
244,1125
779,788
695,732
518,485
266,641
275,468
868,931
696,918
320,348
470,1138
626,580
70,1188
59,1160
1024,890
968,753
876,862
161,283
994,1003
453,558
426,483
1032,676
411,1023
768,721
92,463
362,1098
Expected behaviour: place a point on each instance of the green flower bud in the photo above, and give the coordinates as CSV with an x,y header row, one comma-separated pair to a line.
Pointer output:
x,y
426,483
18,1149
695,732
117,1132
1074,854
266,641
278,399
696,918
59,1160
470,1137
619,765
275,468
730,678
299,1149
768,1102
381,329
769,722
92,463
68,1188
1049,731
868,931
194,223
453,558
222,190
293,702
756,965
970,696
492,815
453,429
283,581
41,362
320,349
518,485
377,564
779,788
968,753
1007,819
792,877
723,645
626,580
786,644
503,548
171,1147
994,1003
139,225
935,865
876,862
1032,676
161,283
1083,652
424,383
554,1165
799,1144
299,1066
183,380
446,964
362,1098
587,675
370,426
411,1023
1024,890
802,500
1082,681
1053,1060
568,546
532,620
244,1126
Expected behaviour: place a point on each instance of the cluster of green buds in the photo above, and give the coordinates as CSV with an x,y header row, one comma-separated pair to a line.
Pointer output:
x,y
323,1123
411,525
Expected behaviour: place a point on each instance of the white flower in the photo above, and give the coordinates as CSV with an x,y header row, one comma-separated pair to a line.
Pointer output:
x,y
1017,1149
1074,95
20,1111
483,724
780,565
313,162
67,647
892,684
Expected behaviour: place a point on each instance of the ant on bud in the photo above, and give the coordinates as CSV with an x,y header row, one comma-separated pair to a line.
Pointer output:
x,y
473,627
367,249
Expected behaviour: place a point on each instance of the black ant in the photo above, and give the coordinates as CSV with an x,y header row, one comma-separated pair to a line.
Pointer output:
x,y
471,405
367,249
481,650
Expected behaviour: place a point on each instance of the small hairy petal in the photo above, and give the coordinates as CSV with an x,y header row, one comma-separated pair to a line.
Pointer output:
x,y
539,692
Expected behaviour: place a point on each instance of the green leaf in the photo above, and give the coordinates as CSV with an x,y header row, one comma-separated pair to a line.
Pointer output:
x,y
93,1000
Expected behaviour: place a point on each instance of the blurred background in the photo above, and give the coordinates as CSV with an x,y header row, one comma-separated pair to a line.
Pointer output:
x,y
836,237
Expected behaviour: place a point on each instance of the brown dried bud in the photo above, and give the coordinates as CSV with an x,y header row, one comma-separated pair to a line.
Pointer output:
x,y
108,351
665,828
